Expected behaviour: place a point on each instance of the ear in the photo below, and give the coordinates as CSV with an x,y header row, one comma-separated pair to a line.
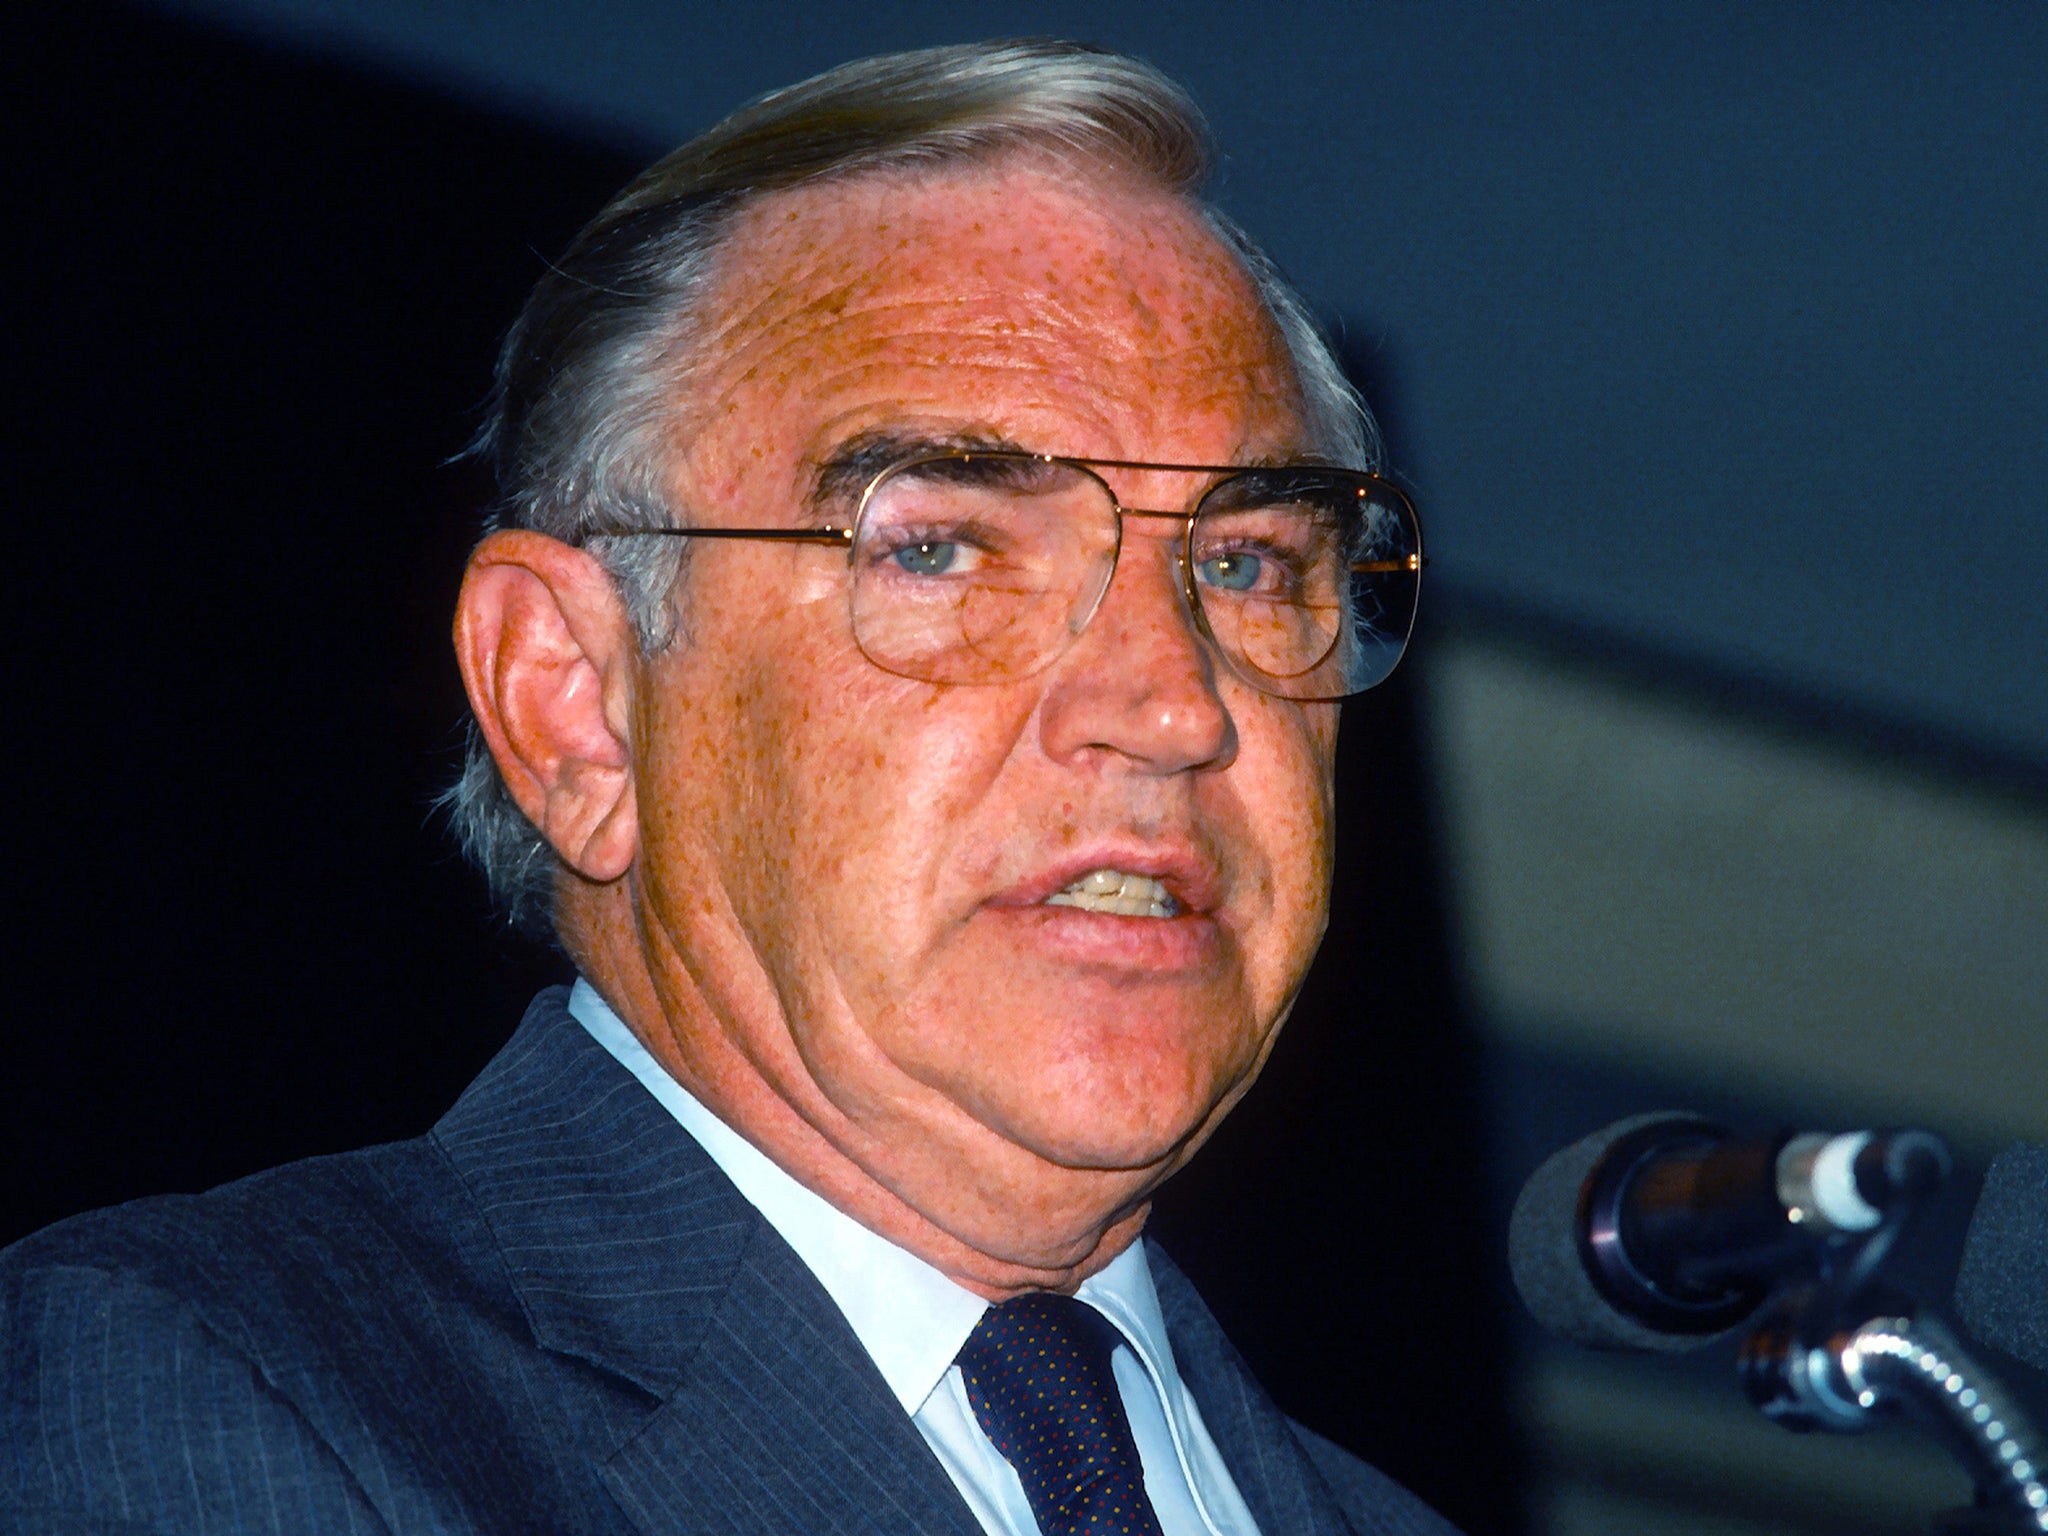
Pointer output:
x,y
547,655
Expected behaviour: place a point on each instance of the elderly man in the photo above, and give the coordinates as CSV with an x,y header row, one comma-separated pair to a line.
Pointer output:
x,y
905,671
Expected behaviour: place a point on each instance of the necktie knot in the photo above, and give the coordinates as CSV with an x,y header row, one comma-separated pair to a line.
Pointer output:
x,y
1039,1378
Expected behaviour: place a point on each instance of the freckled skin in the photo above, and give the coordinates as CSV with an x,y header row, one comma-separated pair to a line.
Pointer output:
x,y
810,934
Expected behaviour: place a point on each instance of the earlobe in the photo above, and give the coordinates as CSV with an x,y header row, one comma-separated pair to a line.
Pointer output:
x,y
546,653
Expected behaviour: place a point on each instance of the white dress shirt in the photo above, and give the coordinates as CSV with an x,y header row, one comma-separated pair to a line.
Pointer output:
x,y
912,1321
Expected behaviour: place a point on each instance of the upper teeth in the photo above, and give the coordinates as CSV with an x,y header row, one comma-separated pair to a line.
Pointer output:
x,y
1112,890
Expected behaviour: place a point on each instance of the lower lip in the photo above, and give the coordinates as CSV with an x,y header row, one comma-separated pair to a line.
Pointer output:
x,y
1160,945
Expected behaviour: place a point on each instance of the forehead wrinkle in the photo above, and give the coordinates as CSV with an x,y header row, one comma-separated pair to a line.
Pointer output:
x,y
1060,348
1045,391
935,331
785,246
826,290
772,311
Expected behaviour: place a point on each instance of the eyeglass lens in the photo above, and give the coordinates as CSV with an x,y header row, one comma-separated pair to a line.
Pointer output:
x,y
982,568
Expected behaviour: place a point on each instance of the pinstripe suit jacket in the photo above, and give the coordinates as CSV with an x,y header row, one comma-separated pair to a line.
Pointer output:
x,y
552,1313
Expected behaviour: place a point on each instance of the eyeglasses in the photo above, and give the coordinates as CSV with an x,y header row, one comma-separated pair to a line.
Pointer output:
x,y
982,567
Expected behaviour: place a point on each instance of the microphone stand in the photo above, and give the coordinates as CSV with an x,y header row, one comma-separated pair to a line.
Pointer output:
x,y
1841,1355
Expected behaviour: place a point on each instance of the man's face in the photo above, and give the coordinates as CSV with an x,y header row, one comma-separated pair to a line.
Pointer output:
x,y
850,868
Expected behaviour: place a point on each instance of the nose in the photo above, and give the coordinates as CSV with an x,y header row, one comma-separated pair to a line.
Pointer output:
x,y
1138,685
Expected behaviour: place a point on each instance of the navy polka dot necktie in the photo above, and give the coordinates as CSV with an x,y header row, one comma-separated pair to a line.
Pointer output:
x,y
1038,1375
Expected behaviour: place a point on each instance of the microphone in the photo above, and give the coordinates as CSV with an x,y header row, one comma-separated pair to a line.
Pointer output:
x,y
1665,1231
2002,1289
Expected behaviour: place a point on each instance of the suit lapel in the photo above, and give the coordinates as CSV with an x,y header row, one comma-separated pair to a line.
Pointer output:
x,y
1280,1485
783,1424
630,1249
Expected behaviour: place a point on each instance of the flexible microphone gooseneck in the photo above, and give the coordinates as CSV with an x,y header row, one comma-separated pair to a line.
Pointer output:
x,y
1666,1231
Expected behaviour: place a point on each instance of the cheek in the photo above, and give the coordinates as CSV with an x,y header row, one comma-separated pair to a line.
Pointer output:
x,y
893,801
1318,802
715,791
871,792
1286,802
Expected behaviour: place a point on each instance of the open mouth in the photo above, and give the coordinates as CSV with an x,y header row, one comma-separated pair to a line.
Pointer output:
x,y
1117,892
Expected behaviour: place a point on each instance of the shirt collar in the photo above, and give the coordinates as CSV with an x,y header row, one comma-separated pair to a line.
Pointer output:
x,y
911,1319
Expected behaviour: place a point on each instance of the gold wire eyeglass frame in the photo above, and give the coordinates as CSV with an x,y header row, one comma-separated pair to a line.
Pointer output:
x,y
847,537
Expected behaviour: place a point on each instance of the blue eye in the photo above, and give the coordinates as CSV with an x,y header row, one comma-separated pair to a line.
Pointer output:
x,y
931,558
1234,572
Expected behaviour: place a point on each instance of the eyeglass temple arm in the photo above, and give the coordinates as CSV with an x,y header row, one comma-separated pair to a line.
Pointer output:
x,y
844,537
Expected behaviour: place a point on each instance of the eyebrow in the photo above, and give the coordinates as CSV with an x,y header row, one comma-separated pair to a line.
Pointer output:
x,y
846,472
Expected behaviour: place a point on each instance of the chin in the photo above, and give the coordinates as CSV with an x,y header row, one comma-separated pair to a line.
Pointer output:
x,y
1109,1123
1086,1077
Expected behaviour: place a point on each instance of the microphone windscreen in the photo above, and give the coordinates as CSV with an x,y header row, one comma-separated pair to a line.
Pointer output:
x,y
1544,1257
2002,1291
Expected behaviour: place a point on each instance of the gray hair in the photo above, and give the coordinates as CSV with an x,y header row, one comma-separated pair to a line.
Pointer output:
x,y
588,381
